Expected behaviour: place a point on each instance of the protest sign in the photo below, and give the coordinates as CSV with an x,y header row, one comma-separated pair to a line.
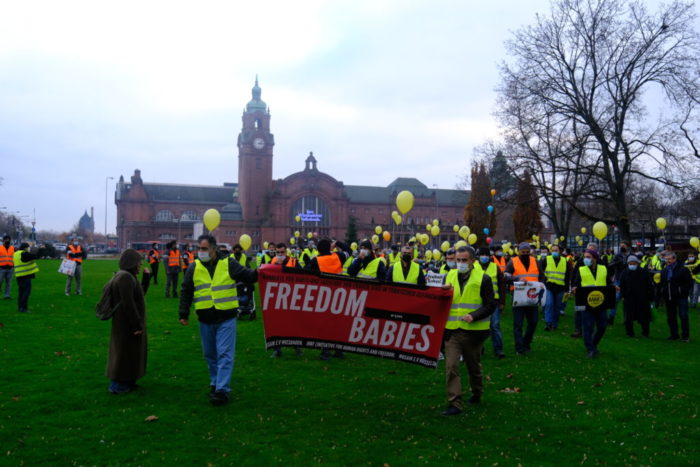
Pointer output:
x,y
594,299
434,279
397,321
529,294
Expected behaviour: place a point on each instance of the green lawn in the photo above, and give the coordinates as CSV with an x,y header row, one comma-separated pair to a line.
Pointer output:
x,y
635,405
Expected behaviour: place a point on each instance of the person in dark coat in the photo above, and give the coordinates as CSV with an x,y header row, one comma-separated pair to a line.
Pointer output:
x,y
676,283
637,292
128,340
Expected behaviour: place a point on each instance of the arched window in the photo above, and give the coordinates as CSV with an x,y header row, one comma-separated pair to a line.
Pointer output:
x,y
164,216
312,210
190,216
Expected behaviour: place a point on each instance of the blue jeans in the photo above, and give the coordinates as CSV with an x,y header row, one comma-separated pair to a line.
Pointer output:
x,y
496,336
6,278
553,307
597,320
520,314
219,346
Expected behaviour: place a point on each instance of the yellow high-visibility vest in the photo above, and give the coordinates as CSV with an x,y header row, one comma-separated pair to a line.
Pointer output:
x,y
555,273
466,301
218,292
23,268
587,279
413,273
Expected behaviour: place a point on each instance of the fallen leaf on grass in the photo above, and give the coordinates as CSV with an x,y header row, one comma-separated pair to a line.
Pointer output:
x,y
580,403
511,390
509,375
59,354
2,325
151,418
15,398
167,332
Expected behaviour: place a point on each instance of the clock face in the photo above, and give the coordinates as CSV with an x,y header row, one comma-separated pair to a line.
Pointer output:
x,y
258,143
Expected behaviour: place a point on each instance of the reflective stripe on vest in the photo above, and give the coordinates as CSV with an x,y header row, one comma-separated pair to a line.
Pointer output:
x,y
413,273
174,258
6,255
555,273
467,299
218,292
532,274
329,264
75,250
492,271
370,271
24,268
587,279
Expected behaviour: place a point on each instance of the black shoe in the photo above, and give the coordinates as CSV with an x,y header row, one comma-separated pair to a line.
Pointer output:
x,y
325,355
298,352
174,295
500,355
276,354
630,335
339,354
23,310
611,321
522,354
685,339
576,334
592,353
212,390
218,398
8,298
548,328
167,295
672,338
474,400
451,410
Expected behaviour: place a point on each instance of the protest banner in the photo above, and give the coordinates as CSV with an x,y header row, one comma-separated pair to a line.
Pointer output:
x,y
529,294
434,279
398,321
594,299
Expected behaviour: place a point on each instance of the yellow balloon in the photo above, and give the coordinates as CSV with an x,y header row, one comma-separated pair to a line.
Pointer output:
x,y
353,246
386,235
562,238
375,239
445,245
436,222
577,238
460,243
404,201
212,219
412,239
428,255
397,219
464,232
292,241
297,218
394,213
694,242
583,230
265,245
437,255
245,241
472,239
378,229
661,223
428,227
309,235
455,228
297,234
435,231
424,239
600,230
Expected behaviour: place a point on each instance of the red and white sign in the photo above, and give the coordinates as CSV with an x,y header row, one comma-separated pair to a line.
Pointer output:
x,y
397,321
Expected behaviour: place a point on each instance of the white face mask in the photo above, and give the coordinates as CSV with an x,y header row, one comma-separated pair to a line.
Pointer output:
x,y
281,258
365,252
463,267
451,264
203,256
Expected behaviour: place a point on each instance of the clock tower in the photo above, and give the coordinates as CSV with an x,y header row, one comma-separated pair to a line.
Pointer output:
x,y
255,144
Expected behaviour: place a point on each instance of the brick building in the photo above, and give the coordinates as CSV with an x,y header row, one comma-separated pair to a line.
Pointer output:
x,y
266,209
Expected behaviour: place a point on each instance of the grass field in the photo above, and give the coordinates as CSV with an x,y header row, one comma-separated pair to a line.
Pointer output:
x,y
635,405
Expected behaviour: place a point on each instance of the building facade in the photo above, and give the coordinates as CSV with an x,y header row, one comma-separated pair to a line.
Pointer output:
x,y
268,209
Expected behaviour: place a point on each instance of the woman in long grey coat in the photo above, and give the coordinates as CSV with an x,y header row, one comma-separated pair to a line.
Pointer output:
x,y
128,342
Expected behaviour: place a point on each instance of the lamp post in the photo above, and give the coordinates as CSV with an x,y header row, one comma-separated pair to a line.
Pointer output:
x,y
106,182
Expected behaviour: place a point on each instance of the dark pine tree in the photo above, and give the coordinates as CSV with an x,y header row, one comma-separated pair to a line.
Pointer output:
x,y
476,214
351,234
526,220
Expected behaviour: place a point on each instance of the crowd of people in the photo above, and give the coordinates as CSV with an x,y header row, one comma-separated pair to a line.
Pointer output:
x,y
480,279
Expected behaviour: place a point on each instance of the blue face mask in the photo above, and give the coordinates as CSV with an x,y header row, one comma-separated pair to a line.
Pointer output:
x,y
587,261
484,259
452,264
633,267
555,254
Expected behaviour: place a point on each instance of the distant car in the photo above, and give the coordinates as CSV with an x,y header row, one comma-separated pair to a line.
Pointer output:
x,y
60,247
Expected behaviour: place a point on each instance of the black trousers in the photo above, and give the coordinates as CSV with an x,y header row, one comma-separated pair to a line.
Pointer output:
x,y
25,289
171,282
154,272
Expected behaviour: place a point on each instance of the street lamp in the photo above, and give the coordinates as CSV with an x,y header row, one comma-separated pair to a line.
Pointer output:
x,y
106,181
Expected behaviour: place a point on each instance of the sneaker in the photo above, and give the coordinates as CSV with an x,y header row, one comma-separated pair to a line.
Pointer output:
x,y
474,400
67,294
451,410
276,354
576,334
441,356
218,398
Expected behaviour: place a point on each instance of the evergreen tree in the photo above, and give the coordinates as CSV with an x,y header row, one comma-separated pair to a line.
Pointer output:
x,y
526,220
501,177
476,214
351,233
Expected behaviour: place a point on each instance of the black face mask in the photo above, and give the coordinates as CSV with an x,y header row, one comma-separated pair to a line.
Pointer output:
x,y
7,244
523,256
623,249
407,257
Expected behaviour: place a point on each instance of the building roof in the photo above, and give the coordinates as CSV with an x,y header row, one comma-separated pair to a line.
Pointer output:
x,y
376,194
190,193
232,212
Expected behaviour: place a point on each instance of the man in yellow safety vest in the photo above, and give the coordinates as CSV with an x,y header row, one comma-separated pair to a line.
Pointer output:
x,y
406,271
25,271
467,327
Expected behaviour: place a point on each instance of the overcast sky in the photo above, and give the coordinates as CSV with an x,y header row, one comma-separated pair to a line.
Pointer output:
x,y
376,89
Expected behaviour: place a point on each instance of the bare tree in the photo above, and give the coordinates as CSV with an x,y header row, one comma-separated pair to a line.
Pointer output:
x,y
594,66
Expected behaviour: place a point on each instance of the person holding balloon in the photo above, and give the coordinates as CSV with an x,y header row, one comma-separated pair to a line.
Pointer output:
x,y
210,284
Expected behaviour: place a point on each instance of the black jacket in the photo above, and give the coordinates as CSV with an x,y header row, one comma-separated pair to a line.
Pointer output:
x,y
676,282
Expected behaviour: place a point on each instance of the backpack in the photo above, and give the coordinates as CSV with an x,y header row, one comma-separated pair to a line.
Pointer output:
x,y
105,309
